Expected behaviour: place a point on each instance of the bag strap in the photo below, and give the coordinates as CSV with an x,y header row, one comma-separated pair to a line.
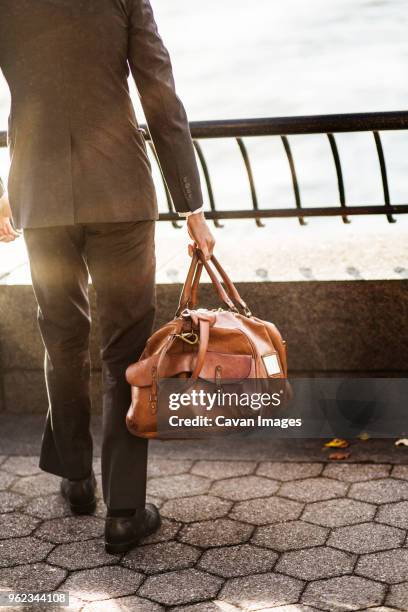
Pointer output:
x,y
196,284
216,283
189,294
204,322
231,289
202,347
185,295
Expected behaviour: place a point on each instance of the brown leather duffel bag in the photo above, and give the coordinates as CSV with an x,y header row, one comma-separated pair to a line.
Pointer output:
x,y
212,345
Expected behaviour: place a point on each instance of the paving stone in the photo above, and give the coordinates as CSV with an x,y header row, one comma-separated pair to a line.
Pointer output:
x,y
217,470
75,605
338,512
198,508
289,536
15,525
153,499
394,514
266,510
289,471
181,485
97,466
315,563
366,537
48,507
161,557
244,487
398,596
390,566
290,608
81,555
11,501
70,529
356,472
2,459
23,550
98,478
233,561
167,467
40,484
32,577
343,593
261,591
123,604
100,510
6,480
380,491
184,586
167,531
379,609
220,532
208,606
21,466
103,583
313,489
398,471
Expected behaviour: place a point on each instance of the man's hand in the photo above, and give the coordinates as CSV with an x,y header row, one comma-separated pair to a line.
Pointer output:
x,y
7,233
200,233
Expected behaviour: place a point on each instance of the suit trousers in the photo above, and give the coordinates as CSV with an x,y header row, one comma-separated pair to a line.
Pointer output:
x,y
120,258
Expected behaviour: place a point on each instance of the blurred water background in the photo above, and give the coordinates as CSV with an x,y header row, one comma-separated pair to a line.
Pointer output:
x,y
243,58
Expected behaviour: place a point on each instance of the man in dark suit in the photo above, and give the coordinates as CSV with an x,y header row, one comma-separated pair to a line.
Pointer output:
x,y
81,188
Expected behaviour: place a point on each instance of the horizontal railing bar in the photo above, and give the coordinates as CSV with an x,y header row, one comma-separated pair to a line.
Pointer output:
x,y
285,126
277,126
330,211
309,124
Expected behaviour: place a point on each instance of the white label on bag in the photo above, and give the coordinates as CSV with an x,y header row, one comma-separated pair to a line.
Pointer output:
x,y
271,364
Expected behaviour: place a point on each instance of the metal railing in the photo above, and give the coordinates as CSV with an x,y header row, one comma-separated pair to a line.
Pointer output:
x,y
283,127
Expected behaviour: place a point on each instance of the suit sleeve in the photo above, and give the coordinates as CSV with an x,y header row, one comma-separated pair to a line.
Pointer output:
x,y
2,187
151,68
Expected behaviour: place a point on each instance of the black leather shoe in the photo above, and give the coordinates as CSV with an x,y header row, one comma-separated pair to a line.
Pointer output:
x,y
124,532
80,494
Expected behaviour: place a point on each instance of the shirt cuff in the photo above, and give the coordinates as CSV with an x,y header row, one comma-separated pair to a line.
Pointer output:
x,y
193,212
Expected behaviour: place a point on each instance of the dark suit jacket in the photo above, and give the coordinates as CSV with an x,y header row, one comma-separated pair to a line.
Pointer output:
x,y
77,154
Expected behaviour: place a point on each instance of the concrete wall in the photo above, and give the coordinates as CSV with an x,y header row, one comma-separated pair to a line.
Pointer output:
x,y
357,327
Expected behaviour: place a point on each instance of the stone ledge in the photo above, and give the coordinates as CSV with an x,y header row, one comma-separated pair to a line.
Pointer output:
x,y
328,326
317,318
25,391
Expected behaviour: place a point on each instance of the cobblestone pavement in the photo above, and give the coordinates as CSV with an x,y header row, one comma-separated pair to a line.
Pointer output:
x,y
236,535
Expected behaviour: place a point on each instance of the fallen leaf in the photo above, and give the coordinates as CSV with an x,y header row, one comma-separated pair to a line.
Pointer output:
x,y
401,442
363,436
337,443
339,456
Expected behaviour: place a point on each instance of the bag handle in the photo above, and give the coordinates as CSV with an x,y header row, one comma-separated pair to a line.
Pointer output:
x,y
189,295
185,296
231,289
